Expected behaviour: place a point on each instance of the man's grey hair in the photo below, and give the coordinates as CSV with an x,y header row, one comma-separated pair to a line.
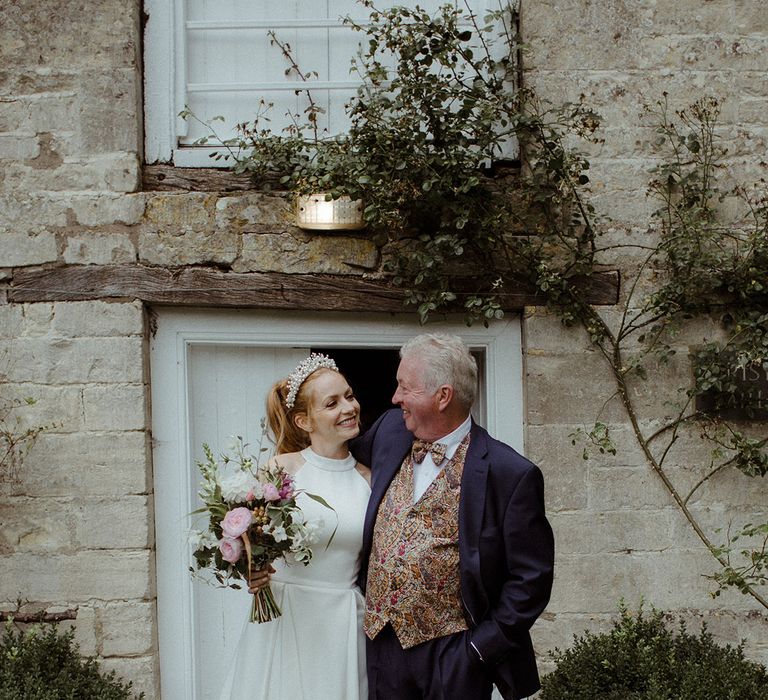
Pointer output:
x,y
446,361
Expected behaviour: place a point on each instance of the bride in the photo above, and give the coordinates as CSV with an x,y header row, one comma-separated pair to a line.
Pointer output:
x,y
316,648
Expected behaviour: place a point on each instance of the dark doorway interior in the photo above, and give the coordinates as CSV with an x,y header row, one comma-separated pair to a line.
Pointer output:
x,y
371,374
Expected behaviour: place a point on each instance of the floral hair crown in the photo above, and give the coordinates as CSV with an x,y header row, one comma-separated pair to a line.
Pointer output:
x,y
296,378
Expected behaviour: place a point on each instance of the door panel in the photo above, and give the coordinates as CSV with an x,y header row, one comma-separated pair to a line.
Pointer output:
x,y
227,389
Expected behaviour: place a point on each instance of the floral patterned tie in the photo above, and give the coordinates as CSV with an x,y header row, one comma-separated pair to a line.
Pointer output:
x,y
420,449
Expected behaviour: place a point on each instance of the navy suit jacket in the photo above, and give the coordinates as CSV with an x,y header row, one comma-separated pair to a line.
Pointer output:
x,y
506,547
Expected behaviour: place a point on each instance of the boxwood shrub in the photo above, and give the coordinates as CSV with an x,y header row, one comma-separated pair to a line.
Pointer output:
x,y
641,659
40,663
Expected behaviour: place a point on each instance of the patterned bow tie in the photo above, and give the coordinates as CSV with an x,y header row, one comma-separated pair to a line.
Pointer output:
x,y
420,449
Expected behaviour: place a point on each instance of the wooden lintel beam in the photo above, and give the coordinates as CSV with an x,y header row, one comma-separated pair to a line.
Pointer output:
x,y
168,178
37,617
198,286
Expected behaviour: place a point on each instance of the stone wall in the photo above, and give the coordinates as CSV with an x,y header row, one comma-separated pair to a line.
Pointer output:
x,y
618,532
77,530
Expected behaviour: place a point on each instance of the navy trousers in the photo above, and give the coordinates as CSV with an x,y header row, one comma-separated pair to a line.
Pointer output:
x,y
440,669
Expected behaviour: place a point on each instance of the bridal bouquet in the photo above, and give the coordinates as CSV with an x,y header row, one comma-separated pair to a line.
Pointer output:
x,y
253,519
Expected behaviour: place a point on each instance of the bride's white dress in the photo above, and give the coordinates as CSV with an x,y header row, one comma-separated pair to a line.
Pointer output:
x,y
316,649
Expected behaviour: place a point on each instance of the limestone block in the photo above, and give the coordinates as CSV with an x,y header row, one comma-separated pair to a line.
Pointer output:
x,y
613,532
753,109
59,408
738,491
110,118
253,209
669,580
51,106
180,229
320,254
37,319
142,671
70,33
565,477
663,393
545,333
557,630
78,360
97,318
127,629
85,630
570,389
629,488
177,214
115,172
624,35
11,323
96,248
130,523
621,97
18,146
19,248
107,208
78,577
12,115
35,525
611,175
115,407
180,247
30,213
618,234
88,465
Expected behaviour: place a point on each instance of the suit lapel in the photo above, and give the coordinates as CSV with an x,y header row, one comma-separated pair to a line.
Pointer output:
x,y
473,484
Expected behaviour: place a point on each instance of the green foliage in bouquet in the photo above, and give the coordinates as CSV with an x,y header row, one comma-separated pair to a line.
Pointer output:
x,y
640,659
41,664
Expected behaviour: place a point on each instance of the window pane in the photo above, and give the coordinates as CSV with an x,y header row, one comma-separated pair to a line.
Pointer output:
x,y
231,63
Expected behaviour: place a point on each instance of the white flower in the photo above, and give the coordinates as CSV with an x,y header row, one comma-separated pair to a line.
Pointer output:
x,y
235,487
303,556
277,531
202,538
303,537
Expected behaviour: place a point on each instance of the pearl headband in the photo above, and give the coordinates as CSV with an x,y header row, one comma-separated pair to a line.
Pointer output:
x,y
296,378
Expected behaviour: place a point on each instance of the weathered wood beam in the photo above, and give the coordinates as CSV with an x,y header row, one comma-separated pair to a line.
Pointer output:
x,y
167,178
198,286
42,616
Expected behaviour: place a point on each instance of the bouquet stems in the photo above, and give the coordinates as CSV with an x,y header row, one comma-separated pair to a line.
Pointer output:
x,y
265,607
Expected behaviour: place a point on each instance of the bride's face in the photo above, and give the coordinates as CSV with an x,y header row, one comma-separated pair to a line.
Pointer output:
x,y
334,413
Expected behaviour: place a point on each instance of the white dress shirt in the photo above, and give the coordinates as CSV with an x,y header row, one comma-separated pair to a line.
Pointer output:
x,y
424,474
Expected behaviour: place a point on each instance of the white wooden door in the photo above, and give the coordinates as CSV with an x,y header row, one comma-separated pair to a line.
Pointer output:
x,y
210,373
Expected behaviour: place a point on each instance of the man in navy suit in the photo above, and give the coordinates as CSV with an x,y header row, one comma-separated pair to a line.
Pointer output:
x,y
458,554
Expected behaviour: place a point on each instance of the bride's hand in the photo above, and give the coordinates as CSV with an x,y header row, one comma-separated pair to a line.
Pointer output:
x,y
260,578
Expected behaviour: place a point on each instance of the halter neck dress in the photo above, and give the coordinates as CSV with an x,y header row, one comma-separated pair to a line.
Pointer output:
x,y
316,648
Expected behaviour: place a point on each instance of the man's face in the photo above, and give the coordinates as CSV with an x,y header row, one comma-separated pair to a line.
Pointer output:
x,y
419,405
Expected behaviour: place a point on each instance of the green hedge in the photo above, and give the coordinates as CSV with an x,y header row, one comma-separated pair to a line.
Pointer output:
x,y
41,664
640,659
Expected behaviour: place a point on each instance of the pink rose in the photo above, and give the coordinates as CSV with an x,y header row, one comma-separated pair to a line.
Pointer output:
x,y
271,493
236,522
231,549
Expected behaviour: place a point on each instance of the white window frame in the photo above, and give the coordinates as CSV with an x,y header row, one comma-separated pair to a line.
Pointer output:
x,y
165,89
